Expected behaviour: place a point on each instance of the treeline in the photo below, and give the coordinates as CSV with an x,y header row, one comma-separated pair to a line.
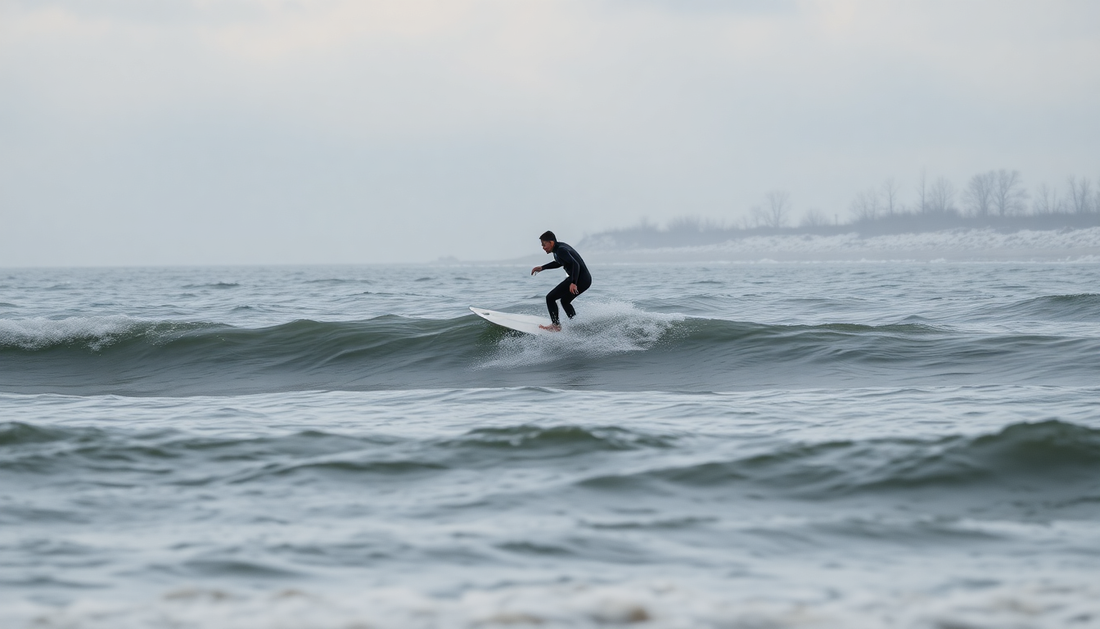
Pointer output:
x,y
995,199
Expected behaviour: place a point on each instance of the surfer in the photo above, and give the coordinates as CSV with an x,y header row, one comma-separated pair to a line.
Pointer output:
x,y
578,281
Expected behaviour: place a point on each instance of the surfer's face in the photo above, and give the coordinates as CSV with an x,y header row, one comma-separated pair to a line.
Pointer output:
x,y
548,246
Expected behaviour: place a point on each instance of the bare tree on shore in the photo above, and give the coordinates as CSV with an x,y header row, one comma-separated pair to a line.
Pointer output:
x,y
890,190
774,215
979,193
865,206
814,218
752,219
1047,201
1080,195
1009,195
922,192
941,197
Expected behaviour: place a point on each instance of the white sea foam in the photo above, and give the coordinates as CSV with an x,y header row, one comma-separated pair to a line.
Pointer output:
x,y
39,332
653,605
601,328
94,333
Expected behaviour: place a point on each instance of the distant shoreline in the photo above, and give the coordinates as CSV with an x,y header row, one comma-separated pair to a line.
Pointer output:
x,y
694,232
954,244
951,244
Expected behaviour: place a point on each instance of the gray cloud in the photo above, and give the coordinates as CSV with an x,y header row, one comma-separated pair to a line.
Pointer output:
x,y
263,131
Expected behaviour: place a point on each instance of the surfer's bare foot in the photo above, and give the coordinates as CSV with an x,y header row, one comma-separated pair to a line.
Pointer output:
x,y
552,327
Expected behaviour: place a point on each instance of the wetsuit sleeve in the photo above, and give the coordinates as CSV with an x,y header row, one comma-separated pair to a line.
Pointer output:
x,y
551,265
572,266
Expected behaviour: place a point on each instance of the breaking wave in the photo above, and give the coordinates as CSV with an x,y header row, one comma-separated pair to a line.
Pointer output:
x,y
615,347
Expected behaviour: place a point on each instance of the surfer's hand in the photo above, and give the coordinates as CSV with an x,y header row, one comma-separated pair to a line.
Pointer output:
x,y
536,270
573,288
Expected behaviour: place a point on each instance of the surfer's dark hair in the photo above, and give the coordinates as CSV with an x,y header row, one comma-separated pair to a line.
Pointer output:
x,y
547,236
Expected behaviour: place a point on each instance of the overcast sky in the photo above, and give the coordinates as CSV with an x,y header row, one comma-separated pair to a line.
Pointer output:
x,y
139,132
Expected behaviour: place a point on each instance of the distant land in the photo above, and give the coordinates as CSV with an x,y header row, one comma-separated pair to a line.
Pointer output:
x,y
990,219
977,242
903,236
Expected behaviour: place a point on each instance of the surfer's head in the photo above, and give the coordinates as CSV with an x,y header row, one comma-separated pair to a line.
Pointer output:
x,y
548,240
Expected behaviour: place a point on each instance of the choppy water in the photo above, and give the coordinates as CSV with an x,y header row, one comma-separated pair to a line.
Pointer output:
x,y
738,445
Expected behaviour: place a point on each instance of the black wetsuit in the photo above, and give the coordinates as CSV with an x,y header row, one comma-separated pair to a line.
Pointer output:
x,y
567,257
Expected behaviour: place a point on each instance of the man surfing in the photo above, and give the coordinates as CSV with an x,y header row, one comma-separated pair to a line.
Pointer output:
x,y
578,281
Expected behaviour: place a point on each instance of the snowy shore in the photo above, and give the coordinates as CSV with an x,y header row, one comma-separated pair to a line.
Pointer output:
x,y
956,244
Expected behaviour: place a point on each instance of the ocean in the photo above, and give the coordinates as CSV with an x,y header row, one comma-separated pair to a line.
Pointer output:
x,y
909,444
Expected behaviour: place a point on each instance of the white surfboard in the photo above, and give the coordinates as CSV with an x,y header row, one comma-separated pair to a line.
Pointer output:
x,y
528,324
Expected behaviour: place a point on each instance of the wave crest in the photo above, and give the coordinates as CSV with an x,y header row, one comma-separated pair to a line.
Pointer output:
x,y
93,333
1053,454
